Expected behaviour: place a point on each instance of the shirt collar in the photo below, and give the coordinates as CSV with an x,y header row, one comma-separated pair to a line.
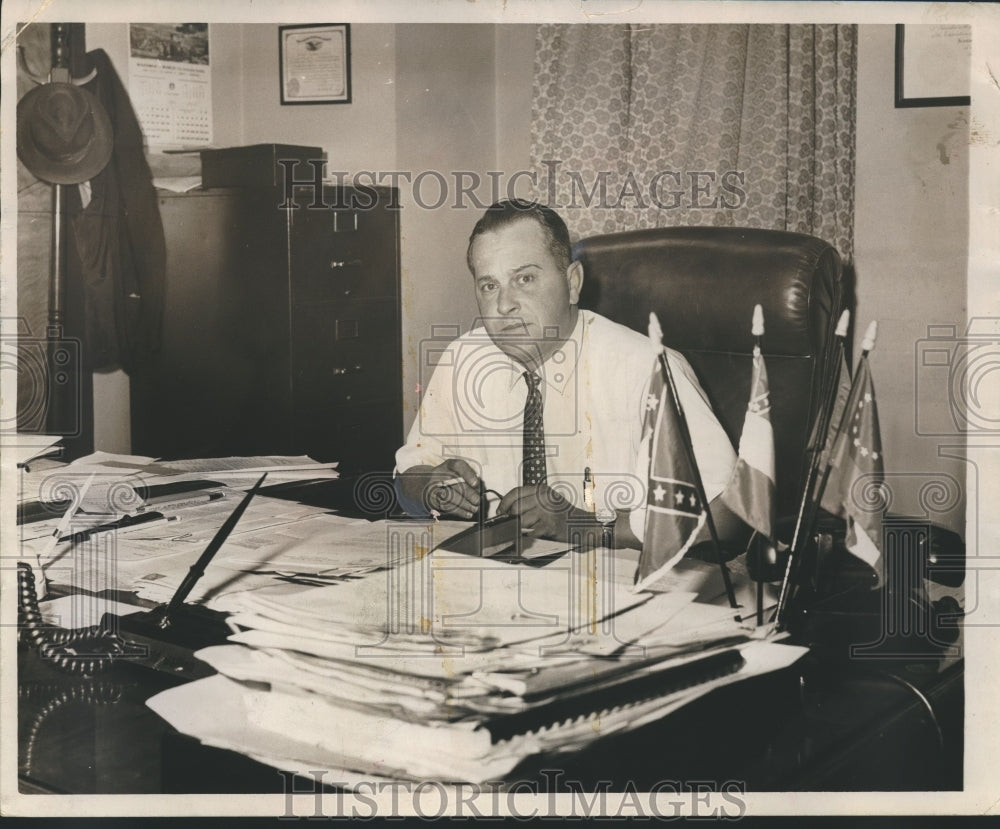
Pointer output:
x,y
559,368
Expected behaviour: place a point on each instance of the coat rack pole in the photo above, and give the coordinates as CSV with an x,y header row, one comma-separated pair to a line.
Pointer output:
x,y
56,281
60,64
54,402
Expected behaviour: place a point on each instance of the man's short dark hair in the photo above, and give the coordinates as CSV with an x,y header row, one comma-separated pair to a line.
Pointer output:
x,y
508,211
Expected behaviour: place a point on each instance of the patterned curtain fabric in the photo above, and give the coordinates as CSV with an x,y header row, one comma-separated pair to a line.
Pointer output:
x,y
734,125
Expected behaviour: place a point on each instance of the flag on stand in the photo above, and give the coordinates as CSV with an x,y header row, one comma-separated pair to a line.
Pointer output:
x,y
822,443
674,513
750,491
832,410
854,489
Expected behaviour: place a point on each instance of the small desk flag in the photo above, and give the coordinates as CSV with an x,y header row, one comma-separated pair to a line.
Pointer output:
x,y
823,444
750,491
674,513
854,490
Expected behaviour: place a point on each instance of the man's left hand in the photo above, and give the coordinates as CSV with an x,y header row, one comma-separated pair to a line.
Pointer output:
x,y
544,513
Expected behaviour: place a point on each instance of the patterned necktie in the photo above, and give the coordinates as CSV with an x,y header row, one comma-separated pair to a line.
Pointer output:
x,y
533,441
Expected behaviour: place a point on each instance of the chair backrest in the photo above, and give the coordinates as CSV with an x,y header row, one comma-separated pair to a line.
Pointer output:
x,y
703,282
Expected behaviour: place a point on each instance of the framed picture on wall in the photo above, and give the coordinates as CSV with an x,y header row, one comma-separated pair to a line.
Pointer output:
x,y
933,62
315,63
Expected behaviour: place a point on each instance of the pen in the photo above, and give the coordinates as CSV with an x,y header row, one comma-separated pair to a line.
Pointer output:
x,y
127,522
588,490
185,499
67,519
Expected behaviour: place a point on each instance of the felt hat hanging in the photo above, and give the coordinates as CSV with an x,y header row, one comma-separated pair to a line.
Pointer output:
x,y
64,136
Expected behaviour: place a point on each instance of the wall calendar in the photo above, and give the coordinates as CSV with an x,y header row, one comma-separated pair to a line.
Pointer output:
x,y
170,83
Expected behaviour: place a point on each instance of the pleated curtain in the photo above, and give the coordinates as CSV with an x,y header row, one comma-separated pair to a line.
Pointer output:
x,y
722,125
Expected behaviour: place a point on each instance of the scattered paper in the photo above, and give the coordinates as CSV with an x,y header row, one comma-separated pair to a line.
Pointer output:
x,y
25,447
177,184
80,611
119,481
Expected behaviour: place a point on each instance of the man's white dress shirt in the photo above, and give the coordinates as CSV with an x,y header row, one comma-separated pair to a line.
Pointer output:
x,y
595,388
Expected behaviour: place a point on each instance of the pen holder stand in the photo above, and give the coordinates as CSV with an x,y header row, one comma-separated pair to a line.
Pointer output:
x,y
170,649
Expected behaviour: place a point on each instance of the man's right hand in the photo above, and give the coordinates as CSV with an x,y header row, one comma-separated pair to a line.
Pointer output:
x,y
450,489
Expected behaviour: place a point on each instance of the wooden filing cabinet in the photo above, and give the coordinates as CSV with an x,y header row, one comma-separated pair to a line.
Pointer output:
x,y
281,328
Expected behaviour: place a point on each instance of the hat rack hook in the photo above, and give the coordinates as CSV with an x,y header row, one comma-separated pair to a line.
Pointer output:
x,y
38,80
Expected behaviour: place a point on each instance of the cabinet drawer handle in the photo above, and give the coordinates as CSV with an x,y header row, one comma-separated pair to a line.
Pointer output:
x,y
342,370
344,263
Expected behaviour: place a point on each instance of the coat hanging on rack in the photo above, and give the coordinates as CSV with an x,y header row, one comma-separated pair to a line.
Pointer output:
x,y
118,238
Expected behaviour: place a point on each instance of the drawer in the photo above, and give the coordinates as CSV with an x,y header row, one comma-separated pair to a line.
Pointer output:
x,y
343,353
341,253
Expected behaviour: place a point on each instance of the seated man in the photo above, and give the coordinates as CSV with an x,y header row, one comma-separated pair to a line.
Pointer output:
x,y
544,395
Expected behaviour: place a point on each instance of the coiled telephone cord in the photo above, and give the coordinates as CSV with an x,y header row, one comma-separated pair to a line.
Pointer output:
x,y
81,652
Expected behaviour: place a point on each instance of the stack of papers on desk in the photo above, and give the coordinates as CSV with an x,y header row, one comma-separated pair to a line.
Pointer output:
x,y
275,540
65,506
157,550
25,447
456,669
111,484
242,471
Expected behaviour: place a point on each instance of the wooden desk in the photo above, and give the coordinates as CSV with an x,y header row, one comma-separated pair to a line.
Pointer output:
x,y
822,724
819,725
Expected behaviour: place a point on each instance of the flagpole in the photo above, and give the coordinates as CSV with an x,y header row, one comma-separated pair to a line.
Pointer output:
x,y
760,580
827,405
866,346
689,448
757,330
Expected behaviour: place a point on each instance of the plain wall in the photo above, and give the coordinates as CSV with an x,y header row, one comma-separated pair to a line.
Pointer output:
x,y
445,112
515,48
911,237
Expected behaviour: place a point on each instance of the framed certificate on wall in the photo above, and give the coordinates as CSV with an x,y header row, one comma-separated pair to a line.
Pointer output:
x,y
315,63
933,62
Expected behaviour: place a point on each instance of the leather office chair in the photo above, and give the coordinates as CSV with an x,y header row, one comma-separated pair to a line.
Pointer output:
x,y
703,282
